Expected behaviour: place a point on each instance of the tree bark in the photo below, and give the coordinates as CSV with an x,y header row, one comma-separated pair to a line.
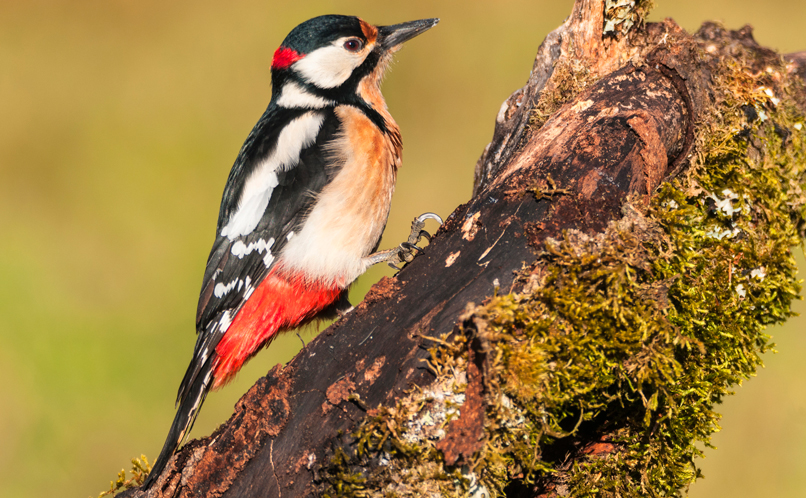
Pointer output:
x,y
603,120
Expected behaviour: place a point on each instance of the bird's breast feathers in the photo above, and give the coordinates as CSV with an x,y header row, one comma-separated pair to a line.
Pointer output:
x,y
349,215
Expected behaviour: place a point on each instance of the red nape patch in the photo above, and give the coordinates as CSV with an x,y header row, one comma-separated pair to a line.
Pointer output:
x,y
281,302
284,57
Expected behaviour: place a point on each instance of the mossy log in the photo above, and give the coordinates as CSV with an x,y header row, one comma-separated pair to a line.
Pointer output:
x,y
627,241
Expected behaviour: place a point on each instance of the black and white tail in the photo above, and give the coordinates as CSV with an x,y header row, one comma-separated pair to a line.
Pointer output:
x,y
195,387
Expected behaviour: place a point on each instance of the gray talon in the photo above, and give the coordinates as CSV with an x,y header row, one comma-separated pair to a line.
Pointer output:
x,y
417,225
431,216
406,252
408,247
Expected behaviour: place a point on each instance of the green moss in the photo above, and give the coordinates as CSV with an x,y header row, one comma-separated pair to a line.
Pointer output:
x,y
568,79
399,442
139,472
630,338
732,223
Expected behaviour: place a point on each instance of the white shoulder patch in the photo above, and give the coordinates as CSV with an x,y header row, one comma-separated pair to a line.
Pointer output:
x,y
294,96
297,135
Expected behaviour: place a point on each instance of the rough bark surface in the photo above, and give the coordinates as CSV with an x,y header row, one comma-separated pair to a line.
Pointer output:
x,y
617,139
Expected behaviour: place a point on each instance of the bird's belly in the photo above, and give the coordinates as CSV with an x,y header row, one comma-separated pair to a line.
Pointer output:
x,y
348,218
340,232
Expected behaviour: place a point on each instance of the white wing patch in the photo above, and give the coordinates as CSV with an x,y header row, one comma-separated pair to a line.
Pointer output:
x,y
240,249
330,66
225,322
268,259
221,290
294,96
249,288
297,135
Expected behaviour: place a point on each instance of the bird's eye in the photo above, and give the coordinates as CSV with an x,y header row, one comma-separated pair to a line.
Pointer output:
x,y
353,45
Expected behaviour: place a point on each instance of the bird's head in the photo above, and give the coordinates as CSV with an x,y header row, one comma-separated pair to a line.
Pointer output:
x,y
327,57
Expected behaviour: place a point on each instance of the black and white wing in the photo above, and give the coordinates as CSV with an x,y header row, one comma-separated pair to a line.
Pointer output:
x,y
281,168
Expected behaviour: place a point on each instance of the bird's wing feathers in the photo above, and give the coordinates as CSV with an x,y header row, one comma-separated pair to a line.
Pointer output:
x,y
239,262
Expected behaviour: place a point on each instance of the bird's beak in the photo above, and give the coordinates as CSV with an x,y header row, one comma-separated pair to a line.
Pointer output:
x,y
391,37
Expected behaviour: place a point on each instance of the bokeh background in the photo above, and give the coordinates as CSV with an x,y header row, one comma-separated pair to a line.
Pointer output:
x,y
119,121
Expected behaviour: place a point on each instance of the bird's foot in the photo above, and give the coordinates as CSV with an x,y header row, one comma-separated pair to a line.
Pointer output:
x,y
406,251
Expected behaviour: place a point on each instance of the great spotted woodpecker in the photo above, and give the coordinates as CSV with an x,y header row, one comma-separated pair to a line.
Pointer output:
x,y
304,205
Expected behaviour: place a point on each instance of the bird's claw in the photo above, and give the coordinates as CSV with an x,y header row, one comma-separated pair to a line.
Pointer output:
x,y
417,233
406,251
409,247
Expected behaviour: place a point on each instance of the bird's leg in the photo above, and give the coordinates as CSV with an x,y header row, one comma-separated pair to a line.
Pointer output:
x,y
406,251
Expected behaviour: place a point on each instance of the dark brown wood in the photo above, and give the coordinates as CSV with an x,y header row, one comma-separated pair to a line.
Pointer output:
x,y
465,434
616,140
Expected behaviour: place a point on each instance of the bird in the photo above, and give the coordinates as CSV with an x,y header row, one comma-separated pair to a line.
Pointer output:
x,y
304,205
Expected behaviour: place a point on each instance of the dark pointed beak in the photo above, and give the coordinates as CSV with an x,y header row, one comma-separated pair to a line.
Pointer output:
x,y
392,37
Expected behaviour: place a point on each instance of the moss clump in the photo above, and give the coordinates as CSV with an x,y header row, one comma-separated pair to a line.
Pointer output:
x,y
568,79
732,223
139,472
588,348
620,346
399,443
621,15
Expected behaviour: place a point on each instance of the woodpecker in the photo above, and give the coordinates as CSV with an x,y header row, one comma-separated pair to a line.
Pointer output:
x,y
304,205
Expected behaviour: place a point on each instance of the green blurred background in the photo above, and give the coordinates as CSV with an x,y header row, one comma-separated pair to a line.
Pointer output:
x,y
119,121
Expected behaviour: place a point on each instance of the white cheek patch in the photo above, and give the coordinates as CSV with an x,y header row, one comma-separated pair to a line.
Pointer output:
x,y
330,66
297,135
294,96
